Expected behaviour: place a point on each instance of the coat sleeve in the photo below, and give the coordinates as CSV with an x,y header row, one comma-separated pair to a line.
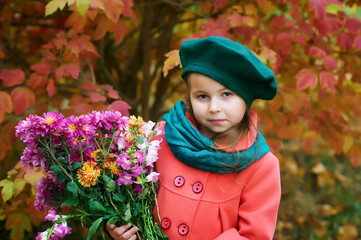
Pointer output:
x,y
259,202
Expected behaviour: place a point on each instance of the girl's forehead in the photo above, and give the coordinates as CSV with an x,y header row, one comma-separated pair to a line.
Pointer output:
x,y
200,81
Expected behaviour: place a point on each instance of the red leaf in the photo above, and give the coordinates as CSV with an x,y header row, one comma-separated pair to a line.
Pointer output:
x,y
220,3
112,9
316,52
353,25
120,106
51,87
96,97
12,77
37,82
111,92
81,43
345,40
22,98
128,12
6,105
67,70
329,63
328,81
319,6
119,30
306,78
357,43
41,68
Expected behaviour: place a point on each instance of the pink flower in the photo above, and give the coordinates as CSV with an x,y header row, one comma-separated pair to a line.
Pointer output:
x,y
153,177
51,122
33,157
136,170
62,229
147,128
124,179
124,161
51,216
114,119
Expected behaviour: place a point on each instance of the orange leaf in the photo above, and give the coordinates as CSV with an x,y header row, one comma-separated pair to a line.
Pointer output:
x,y
22,98
306,78
102,27
120,106
112,9
355,155
128,12
67,70
6,104
172,61
12,77
51,87
37,82
2,54
308,139
328,81
81,43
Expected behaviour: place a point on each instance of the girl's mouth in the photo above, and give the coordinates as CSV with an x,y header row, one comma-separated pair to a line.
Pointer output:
x,y
216,121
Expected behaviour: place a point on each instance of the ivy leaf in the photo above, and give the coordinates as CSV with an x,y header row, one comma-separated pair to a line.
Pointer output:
x,y
306,78
12,77
22,98
8,189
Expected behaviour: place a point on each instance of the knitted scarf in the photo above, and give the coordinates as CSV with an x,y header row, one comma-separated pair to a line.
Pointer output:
x,y
195,150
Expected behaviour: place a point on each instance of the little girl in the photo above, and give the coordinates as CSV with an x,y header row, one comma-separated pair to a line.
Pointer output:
x,y
218,179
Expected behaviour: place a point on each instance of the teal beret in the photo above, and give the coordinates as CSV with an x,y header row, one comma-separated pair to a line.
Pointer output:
x,y
231,64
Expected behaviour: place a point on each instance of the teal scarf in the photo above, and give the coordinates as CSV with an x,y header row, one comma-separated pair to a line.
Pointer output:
x,y
194,149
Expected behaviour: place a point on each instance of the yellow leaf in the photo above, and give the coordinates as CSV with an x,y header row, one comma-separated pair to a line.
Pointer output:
x,y
348,142
268,7
53,5
171,61
83,6
19,185
8,189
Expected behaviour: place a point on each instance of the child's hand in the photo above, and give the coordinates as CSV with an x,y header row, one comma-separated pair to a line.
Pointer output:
x,y
122,232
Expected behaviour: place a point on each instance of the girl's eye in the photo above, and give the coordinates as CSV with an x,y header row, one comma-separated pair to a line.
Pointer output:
x,y
202,96
227,94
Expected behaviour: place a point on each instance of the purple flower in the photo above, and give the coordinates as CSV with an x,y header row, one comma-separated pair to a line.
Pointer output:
x,y
139,156
27,129
124,178
33,157
87,129
62,229
136,170
138,189
43,191
51,216
124,161
51,122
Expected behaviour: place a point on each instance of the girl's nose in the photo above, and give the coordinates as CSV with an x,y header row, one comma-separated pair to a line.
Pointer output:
x,y
214,106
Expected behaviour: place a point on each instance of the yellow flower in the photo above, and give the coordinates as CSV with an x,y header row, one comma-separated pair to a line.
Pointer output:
x,y
96,154
88,174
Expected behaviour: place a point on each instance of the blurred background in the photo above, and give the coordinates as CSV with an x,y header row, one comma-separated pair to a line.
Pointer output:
x,y
76,56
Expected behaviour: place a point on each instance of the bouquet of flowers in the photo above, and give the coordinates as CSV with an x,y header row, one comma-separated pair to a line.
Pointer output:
x,y
99,165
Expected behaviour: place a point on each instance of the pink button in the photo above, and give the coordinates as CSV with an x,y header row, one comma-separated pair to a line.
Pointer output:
x,y
183,229
197,187
166,223
179,181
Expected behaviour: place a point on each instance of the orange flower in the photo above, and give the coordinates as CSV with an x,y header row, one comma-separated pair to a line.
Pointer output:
x,y
111,163
135,127
88,174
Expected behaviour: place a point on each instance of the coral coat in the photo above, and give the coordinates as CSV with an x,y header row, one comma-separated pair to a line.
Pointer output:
x,y
200,205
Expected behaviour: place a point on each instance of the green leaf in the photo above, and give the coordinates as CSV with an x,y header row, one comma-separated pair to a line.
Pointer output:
x,y
8,189
61,178
19,185
118,197
111,186
57,169
94,227
138,207
53,5
97,207
83,6
113,220
73,188
18,222
71,201
128,213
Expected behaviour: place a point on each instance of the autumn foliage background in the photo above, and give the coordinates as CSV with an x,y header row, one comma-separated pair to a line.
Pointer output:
x,y
78,55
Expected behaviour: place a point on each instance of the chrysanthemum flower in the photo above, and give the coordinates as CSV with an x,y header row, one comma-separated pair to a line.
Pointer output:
x,y
88,174
52,122
135,128
111,163
113,119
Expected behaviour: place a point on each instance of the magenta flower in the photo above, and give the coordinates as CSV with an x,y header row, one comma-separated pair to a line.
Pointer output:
x,y
33,157
124,179
52,122
136,170
114,120
62,229
138,157
51,216
124,161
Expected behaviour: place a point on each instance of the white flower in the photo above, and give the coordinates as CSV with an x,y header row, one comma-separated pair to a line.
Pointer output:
x,y
153,177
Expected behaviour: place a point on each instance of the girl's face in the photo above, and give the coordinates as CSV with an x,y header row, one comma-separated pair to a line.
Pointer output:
x,y
216,108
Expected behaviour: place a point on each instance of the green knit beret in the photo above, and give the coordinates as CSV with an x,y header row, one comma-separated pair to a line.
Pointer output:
x,y
231,64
